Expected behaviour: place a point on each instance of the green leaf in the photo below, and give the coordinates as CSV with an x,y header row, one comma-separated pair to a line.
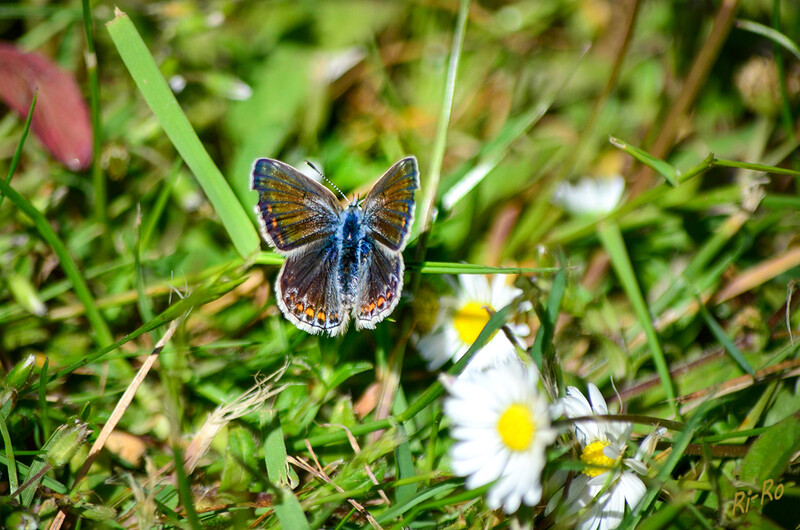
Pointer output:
x,y
771,452
240,460
289,512
162,102
278,472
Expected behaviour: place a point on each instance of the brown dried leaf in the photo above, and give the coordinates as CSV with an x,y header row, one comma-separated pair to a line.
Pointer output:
x,y
61,117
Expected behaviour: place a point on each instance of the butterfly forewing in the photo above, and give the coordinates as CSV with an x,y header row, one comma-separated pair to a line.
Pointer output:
x,y
307,292
293,209
389,205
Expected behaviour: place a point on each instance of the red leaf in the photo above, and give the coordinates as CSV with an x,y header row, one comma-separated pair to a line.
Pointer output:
x,y
61,117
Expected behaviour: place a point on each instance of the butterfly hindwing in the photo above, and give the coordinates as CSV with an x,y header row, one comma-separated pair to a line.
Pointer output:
x,y
293,209
308,294
381,282
389,205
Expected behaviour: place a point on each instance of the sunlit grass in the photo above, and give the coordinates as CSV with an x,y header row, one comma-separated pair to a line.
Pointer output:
x,y
679,302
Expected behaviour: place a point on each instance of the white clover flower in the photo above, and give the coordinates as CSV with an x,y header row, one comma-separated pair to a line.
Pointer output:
x,y
463,318
609,481
590,196
502,426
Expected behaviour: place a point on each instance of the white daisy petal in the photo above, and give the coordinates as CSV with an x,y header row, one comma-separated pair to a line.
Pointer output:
x,y
603,495
632,489
504,441
461,320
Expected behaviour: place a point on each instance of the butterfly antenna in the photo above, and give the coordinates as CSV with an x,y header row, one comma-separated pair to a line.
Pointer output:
x,y
326,179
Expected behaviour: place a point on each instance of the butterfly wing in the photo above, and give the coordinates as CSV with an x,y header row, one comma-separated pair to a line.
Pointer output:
x,y
389,205
307,290
381,281
293,210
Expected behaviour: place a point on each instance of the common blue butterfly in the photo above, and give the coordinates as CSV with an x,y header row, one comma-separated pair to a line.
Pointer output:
x,y
339,261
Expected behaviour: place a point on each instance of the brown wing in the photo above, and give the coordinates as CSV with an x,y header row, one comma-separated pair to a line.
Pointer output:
x,y
293,209
389,205
307,290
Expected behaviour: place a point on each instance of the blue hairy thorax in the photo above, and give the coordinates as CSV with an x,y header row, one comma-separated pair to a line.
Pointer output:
x,y
350,238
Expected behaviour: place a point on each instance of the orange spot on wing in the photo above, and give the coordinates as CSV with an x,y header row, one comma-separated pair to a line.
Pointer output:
x,y
381,301
371,306
321,317
310,312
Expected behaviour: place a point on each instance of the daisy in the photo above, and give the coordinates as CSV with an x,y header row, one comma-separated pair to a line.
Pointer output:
x,y
462,319
501,425
609,481
590,196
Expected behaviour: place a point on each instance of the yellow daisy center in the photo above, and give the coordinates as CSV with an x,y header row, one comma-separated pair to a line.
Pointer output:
x,y
469,320
593,454
516,427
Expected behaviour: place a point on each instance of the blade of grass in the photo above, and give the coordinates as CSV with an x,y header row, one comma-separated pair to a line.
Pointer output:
x,y
770,33
664,169
493,152
545,332
431,185
185,490
723,339
434,267
11,462
18,153
612,241
786,108
98,179
496,321
43,406
162,102
102,333
197,298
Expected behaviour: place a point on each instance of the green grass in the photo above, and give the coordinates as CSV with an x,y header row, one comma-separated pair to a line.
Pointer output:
x,y
680,302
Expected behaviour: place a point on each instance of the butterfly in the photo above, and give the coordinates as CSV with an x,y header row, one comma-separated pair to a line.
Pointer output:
x,y
340,261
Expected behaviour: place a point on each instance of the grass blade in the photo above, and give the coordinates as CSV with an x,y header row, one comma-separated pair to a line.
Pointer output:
x,y
612,240
662,168
98,178
770,33
18,152
162,102
102,333
440,140
724,339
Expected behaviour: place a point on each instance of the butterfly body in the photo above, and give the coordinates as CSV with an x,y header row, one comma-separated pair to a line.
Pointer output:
x,y
340,262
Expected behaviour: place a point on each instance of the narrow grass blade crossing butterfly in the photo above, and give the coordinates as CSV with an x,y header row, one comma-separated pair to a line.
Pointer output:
x,y
340,262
